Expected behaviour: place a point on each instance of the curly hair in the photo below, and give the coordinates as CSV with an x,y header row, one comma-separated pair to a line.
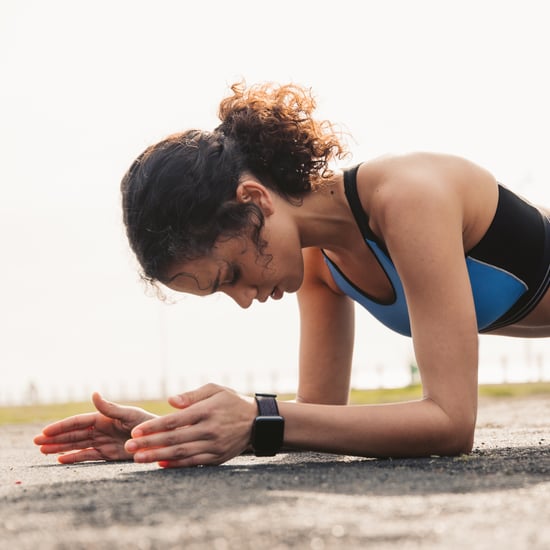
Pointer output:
x,y
179,195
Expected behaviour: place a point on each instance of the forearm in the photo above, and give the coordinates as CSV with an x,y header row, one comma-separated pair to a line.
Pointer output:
x,y
417,428
326,346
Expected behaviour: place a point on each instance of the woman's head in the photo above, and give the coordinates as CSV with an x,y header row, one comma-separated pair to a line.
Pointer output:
x,y
179,195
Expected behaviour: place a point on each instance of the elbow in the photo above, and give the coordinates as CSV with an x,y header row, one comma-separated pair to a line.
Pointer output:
x,y
460,444
457,439
452,431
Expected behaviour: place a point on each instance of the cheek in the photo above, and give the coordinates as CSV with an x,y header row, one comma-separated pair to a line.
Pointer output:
x,y
283,262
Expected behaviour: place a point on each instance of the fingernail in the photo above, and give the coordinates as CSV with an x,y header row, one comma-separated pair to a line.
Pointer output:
x,y
131,446
177,400
137,433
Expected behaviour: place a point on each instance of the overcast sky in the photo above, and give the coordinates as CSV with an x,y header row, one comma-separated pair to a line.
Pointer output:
x,y
86,86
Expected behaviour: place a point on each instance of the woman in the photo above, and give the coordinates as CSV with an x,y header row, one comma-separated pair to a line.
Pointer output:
x,y
431,244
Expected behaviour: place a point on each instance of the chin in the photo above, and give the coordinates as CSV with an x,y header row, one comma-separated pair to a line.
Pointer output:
x,y
294,286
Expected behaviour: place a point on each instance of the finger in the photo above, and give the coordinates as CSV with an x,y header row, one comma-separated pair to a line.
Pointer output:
x,y
72,423
80,456
53,448
108,408
65,437
168,422
171,438
183,400
177,452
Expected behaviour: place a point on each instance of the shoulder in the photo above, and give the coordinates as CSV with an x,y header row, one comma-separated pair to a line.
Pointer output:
x,y
417,171
420,184
420,162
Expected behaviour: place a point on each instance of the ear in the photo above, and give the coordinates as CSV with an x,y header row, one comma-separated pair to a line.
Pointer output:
x,y
250,190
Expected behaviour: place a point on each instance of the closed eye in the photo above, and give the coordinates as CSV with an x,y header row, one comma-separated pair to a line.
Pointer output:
x,y
230,279
234,276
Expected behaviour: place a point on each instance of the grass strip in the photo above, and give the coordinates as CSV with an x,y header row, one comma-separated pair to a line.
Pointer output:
x,y
46,413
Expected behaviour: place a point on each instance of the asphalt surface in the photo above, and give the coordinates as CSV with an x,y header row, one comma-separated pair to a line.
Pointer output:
x,y
497,497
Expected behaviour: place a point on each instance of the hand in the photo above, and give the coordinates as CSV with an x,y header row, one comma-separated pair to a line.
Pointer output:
x,y
93,436
213,426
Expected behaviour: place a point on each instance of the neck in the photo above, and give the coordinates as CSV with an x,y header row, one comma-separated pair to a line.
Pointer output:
x,y
324,219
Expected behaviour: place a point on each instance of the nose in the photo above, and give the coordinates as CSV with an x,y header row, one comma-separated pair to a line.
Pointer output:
x,y
243,295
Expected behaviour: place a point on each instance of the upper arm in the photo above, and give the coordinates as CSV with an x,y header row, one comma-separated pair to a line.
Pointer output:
x,y
326,335
423,232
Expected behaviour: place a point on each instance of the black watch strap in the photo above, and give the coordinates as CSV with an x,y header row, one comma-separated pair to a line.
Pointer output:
x,y
267,404
269,426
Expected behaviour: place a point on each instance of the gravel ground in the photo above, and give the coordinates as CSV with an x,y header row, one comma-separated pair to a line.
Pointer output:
x,y
497,497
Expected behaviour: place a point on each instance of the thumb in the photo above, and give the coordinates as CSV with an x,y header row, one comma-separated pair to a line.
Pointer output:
x,y
107,408
184,400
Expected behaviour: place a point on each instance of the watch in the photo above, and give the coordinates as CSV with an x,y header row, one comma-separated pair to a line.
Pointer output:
x,y
269,426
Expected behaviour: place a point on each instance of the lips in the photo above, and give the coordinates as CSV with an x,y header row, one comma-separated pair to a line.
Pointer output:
x,y
277,293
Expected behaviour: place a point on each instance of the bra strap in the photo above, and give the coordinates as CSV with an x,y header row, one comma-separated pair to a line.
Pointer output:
x,y
350,188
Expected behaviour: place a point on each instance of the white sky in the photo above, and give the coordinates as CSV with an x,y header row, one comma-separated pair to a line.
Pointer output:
x,y
87,85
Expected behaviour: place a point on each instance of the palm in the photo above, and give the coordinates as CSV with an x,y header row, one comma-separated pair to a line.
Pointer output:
x,y
108,435
93,436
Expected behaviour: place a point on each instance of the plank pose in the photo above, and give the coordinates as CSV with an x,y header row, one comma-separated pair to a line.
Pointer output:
x,y
432,245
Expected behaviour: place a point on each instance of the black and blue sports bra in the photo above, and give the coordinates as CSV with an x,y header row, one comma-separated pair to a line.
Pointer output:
x,y
509,268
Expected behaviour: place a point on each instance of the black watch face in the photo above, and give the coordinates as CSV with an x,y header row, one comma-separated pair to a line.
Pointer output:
x,y
268,433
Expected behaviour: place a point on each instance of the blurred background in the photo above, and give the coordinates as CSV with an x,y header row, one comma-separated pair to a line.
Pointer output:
x,y
86,86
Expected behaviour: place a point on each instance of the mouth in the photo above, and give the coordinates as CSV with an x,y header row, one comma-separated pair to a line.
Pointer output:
x,y
276,293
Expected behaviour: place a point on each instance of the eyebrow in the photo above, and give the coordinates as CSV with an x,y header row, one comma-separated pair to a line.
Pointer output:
x,y
214,287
